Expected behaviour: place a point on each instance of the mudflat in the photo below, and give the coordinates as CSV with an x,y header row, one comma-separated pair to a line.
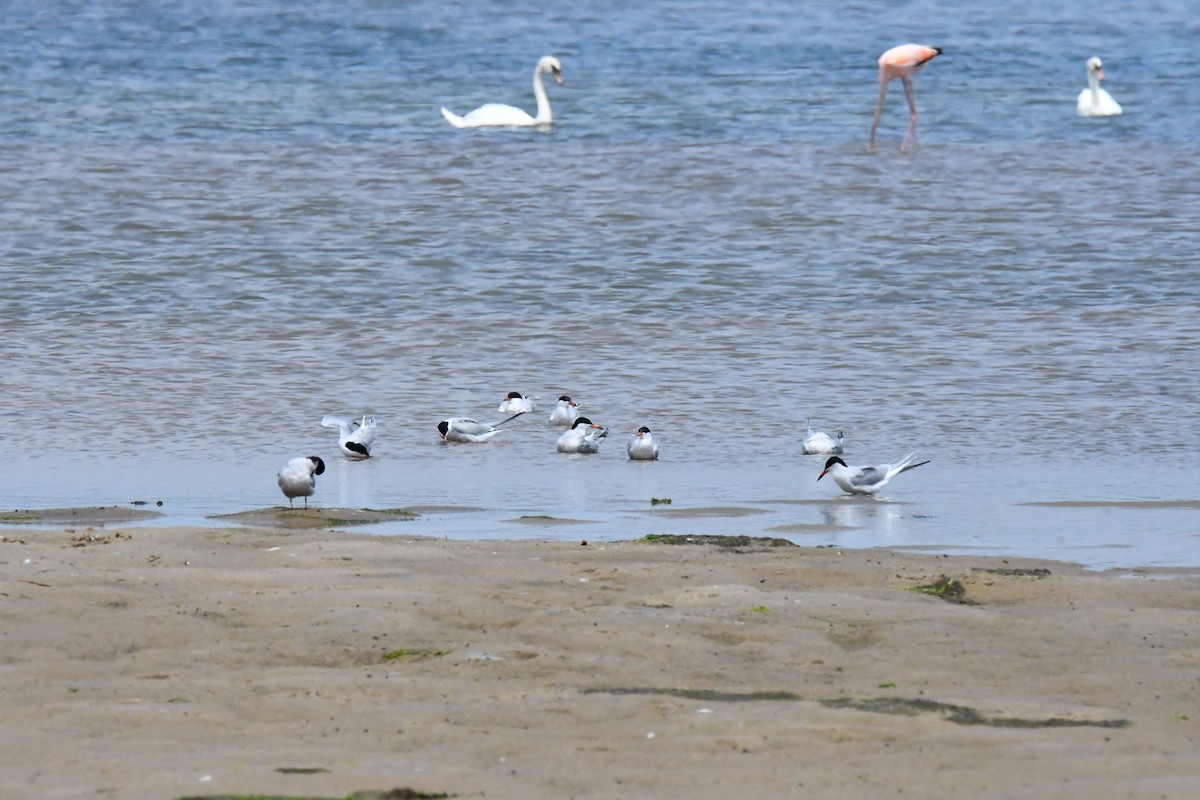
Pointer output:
x,y
192,662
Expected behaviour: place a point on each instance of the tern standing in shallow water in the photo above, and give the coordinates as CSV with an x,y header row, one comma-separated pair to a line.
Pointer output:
x,y
819,443
565,412
298,477
354,436
583,437
463,430
516,403
866,480
642,446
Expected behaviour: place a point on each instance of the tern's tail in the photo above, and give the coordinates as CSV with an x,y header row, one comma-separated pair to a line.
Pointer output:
x,y
510,419
906,463
453,119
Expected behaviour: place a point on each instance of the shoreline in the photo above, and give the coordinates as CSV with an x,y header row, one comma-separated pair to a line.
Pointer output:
x,y
191,662
1106,553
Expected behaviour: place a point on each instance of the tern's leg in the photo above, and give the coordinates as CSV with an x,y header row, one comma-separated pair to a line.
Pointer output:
x,y
911,135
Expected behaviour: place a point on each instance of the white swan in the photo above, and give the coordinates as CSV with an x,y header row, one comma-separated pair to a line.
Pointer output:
x,y
1094,101
501,114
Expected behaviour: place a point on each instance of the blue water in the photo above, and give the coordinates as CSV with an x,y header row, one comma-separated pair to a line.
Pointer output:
x,y
223,220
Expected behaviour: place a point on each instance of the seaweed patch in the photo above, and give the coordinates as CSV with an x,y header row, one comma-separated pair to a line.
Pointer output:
x,y
964,715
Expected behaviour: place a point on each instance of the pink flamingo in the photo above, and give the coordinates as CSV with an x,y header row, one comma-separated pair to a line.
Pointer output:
x,y
902,61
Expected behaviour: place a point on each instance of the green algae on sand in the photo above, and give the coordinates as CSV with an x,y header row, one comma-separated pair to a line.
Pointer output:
x,y
84,515
309,518
735,543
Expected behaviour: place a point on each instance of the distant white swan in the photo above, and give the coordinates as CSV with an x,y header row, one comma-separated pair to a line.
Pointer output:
x,y
1094,101
501,114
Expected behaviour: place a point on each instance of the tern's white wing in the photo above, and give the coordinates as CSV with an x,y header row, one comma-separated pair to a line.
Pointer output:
x,y
365,431
591,441
354,436
866,477
469,426
356,443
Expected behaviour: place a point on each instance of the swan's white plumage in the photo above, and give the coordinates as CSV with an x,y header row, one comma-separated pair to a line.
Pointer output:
x,y
1094,101
502,115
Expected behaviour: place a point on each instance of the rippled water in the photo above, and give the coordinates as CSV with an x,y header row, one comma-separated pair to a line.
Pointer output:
x,y
222,221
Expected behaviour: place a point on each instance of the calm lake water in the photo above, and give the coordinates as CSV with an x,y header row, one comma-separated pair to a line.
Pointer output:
x,y
222,221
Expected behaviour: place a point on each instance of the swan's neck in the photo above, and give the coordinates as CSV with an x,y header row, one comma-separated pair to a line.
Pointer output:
x,y
1094,85
543,102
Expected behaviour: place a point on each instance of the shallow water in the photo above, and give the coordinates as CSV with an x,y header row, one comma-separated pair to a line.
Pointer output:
x,y
222,222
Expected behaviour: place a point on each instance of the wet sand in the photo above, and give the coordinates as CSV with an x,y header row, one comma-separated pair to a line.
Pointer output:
x,y
187,662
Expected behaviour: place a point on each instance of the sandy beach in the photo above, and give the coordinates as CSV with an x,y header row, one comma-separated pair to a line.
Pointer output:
x,y
190,662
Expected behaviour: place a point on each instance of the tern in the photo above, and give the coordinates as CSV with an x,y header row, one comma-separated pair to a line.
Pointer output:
x,y
354,436
866,480
466,430
565,412
819,443
516,403
642,446
298,477
583,437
